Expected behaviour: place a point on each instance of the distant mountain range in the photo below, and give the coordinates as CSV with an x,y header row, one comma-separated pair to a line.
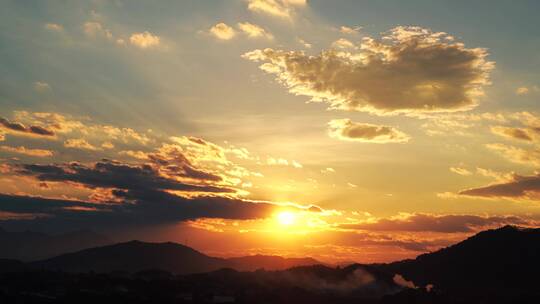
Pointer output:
x,y
31,246
493,266
137,256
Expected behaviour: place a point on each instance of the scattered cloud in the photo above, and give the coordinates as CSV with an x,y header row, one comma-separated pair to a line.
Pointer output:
x,y
527,90
328,170
80,143
65,125
429,72
222,31
283,162
107,145
134,154
304,43
17,128
350,30
512,133
522,91
277,8
498,176
144,40
346,129
41,86
343,43
516,154
517,187
27,151
95,29
254,31
460,171
421,222
55,27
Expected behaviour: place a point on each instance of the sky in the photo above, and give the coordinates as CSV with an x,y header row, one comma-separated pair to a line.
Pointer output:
x,y
365,131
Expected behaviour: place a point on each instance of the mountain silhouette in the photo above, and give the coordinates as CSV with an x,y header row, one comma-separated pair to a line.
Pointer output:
x,y
30,246
136,256
506,260
494,266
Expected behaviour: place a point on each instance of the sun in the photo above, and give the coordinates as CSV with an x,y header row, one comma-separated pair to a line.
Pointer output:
x,y
286,218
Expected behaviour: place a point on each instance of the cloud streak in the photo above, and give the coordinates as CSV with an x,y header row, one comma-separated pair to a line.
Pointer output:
x,y
517,187
345,129
420,222
20,129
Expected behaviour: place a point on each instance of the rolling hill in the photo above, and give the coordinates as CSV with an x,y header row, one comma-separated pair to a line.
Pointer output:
x,y
137,256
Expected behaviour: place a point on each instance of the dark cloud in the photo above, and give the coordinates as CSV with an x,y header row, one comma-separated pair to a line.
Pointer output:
x,y
520,187
437,223
113,174
175,163
140,208
20,128
135,195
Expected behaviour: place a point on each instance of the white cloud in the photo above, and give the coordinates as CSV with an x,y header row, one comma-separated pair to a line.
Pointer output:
x,y
277,8
144,40
222,31
254,31
350,30
271,161
343,43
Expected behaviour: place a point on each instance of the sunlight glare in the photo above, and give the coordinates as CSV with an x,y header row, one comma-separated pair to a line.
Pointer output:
x,y
286,218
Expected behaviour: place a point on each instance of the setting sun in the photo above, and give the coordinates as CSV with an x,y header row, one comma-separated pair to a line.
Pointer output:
x,y
286,218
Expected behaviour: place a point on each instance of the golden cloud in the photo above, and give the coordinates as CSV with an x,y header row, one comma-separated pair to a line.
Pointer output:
x,y
512,133
144,40
254,31
222,31
80,143
27,151
516,154
346,129
460,171
277,8
428,72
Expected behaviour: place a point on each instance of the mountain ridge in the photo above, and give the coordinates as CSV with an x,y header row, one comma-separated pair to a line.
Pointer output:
x,y
134,256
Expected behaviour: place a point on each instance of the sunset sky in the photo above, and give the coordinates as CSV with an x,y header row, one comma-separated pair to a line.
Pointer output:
x,y
343,130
